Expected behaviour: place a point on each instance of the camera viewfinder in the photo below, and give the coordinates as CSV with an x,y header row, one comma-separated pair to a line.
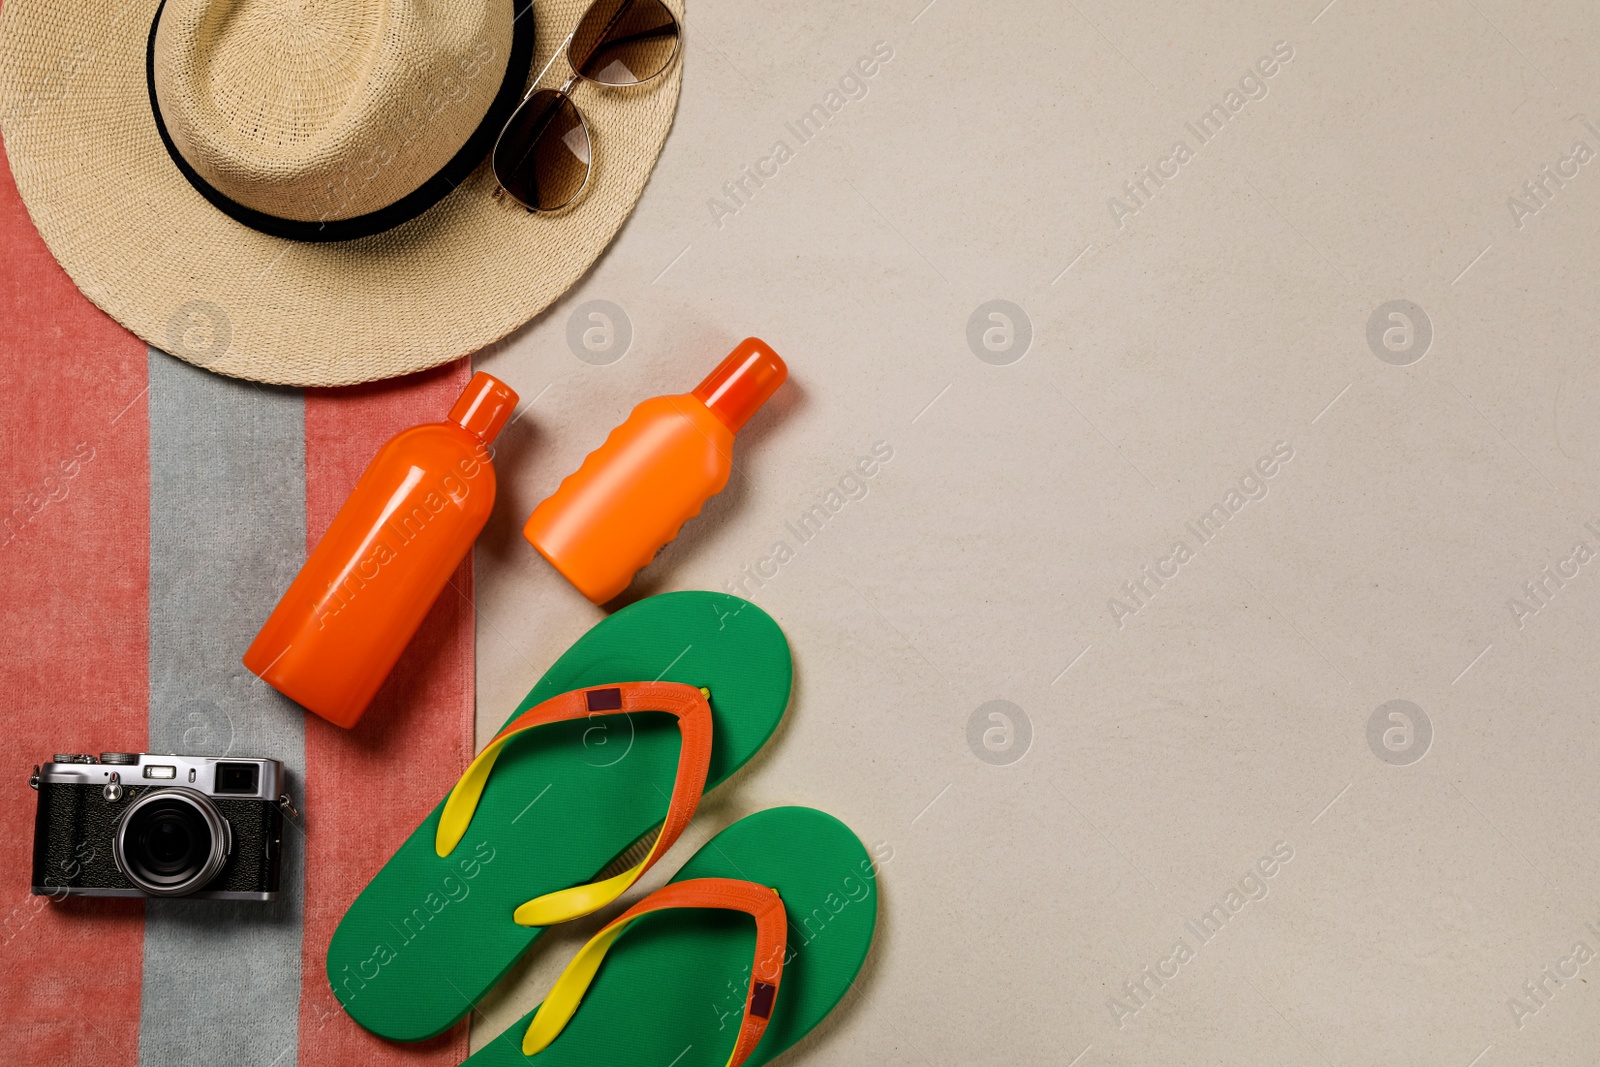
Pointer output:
x,y
238,778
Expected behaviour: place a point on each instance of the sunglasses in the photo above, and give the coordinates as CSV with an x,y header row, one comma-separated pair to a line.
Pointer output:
x,y
542,158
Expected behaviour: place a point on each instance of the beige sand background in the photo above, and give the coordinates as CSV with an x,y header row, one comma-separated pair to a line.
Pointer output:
x,y
1427,859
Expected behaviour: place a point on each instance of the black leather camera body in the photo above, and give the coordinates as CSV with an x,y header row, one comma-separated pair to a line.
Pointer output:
x,y
135,824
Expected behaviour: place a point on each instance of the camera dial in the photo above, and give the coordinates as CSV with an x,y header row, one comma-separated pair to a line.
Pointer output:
x,y
172,842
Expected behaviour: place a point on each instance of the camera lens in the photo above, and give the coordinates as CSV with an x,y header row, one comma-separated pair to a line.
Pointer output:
x,y
172,842
168,840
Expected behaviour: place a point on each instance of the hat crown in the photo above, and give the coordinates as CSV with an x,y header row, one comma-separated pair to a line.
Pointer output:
x,y
318,110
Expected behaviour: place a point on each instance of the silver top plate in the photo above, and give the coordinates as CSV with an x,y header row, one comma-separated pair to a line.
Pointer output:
x,y
194,772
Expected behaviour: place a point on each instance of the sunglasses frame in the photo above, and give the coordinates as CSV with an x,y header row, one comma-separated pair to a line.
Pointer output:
x,y
565,93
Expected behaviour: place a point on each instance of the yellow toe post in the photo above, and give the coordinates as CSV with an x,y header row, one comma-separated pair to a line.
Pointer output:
x,y
690,705
566,904
463,800
565,996
771,945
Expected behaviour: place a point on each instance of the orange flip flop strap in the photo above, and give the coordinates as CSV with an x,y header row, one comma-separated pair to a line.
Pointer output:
x,y
693,711
766,969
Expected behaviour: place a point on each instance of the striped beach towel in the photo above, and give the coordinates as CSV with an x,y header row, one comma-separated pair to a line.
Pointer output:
x,y
153,515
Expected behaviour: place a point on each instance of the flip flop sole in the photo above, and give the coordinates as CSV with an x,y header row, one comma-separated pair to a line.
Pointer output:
x,y
429,936
673,987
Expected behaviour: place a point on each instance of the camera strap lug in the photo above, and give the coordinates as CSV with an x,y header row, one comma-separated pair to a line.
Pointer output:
x,y
288,807
33,779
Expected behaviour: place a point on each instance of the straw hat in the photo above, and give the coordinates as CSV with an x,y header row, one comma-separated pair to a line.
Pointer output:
x,y
145,136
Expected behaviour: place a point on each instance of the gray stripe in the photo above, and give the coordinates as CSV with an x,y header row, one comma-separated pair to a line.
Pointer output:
x,y
227,534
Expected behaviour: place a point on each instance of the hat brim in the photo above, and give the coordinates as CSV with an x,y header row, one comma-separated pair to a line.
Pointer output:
x,y
147,248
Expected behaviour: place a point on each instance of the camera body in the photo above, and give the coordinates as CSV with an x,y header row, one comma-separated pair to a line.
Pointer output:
x,y
136,824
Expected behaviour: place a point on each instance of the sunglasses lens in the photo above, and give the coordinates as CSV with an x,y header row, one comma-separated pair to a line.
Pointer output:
x,y
624,42
542,157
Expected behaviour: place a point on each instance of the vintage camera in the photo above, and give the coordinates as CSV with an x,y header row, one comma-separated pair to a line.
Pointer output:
x,y
134,824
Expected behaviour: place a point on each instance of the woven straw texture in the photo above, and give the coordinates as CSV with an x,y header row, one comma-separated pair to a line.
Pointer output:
x,y
317,110
148,249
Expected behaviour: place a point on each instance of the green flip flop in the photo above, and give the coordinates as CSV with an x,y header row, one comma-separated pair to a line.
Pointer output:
x,y
684,978
656,703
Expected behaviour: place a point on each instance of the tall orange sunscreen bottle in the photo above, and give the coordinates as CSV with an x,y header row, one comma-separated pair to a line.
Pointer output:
x,y
365,589
653,474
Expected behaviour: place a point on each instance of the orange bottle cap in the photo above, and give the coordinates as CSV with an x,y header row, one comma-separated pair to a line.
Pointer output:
x,y
742,382
484,406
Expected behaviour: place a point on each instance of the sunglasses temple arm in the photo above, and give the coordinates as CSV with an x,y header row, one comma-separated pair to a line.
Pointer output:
x,y
534,84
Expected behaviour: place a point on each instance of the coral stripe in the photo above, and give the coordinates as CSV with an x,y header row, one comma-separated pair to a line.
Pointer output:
x,y
368,788
74,609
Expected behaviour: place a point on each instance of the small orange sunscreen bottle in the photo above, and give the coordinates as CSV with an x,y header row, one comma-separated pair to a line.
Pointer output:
x,y
632,494
365,589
